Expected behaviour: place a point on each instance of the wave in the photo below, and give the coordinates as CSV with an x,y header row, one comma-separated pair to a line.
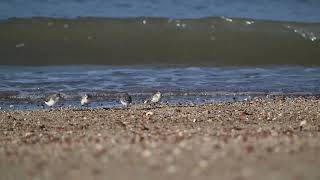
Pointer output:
x,y
133,41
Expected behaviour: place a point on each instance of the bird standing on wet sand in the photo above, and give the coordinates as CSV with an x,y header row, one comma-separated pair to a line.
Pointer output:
x,y
52,99
155,98
85,99
125,99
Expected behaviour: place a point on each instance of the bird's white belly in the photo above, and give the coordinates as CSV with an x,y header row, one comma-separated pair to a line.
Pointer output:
x,y
124,102
154,99
51,102
84,101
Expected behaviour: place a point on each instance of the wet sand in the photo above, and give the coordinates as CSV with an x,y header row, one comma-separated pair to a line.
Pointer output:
x,y
260,139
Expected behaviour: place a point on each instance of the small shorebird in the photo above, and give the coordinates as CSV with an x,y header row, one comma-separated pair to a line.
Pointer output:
x,y
85,99
125,99
155,98
52,99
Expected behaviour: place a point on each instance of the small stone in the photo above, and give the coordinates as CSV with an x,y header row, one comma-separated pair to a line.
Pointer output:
x,y
176,151
180,134
169,159
274,133
149,113
172,169
249,148
243,113
99,147
182,144
100,150
28,134
269,116
146,153
303,124
203,163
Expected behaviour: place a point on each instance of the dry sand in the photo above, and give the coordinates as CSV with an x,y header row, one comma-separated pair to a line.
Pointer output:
x,y
258,139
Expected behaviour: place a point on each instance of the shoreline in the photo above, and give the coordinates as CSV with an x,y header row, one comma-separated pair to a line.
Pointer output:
x,y
257,139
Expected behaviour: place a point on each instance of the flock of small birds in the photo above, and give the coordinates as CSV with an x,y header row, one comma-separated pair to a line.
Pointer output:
x,y
86,99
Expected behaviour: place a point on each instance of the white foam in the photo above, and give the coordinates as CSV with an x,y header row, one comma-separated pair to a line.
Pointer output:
x,y
249,22
20,45
227,19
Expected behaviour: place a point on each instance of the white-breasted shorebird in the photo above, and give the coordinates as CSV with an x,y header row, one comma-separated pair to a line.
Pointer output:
x,y
52,99
86,99
125,99
155,98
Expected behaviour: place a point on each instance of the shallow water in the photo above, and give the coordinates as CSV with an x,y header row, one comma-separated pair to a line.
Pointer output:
x,y
24,87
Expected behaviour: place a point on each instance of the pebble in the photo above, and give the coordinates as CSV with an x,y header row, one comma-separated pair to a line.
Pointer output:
x,y
146,153
149,113
206,112
176,151
303,123
28,134
180,134
172,169
99,147
203,163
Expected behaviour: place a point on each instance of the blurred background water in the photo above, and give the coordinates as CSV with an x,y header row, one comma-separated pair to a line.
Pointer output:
x,y
285,10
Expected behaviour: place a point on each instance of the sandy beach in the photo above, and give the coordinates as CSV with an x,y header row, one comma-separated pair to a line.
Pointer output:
x,y
270,138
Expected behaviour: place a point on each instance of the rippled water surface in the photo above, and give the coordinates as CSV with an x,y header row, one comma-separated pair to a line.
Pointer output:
x,y
25,86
